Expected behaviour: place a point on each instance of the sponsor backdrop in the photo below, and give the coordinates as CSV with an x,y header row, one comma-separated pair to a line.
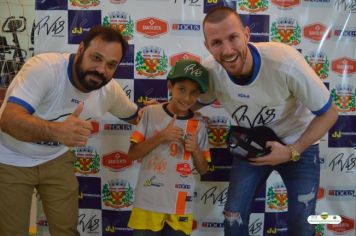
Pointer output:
x,y
160,32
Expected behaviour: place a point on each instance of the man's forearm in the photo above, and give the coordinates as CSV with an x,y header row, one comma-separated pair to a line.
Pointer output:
x,y
16,122
317,128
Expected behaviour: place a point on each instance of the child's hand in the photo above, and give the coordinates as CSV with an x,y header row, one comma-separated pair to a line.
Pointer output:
x,y
191,142
171,132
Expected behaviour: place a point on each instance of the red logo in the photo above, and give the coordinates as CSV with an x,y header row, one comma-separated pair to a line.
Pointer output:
x,y
152,27
116,161
286,3
184,169
346,225
321,193
95,126
344,66
184,55
315,32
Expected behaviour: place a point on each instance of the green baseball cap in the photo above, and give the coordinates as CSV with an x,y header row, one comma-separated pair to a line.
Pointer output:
x,y
190,69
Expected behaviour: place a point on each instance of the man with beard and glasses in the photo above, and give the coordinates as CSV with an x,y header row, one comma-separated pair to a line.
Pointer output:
x,y
47,109
270,86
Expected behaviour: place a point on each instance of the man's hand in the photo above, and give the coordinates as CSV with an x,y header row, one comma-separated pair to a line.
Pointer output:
x,y
75,131
279,154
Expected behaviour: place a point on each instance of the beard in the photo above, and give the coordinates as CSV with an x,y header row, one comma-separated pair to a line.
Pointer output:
x,y
82,75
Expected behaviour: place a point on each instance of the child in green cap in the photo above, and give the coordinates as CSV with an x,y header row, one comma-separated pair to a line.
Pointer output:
x,y
171,141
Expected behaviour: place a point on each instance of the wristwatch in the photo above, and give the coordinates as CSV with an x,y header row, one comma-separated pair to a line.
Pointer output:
x,y
295,155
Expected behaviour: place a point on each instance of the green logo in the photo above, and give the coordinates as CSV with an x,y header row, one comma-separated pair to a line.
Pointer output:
x,y
286,30
253,5
319,62
122,22
151,62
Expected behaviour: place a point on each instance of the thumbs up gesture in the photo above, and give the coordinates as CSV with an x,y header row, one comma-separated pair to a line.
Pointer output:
x,y
191,142
75,131
171,132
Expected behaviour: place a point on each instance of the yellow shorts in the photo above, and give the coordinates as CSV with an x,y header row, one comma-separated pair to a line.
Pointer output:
x,y
149,220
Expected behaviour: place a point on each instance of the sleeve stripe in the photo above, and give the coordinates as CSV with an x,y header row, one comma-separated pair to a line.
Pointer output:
x,y
206,155
137,137
324,108
22,103
132,116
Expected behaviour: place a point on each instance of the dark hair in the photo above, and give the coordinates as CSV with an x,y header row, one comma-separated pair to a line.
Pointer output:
x,y
182,79
217,14
107,34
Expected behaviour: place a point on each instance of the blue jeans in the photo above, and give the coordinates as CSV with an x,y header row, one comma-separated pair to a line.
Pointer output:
x,y
166,231
301,179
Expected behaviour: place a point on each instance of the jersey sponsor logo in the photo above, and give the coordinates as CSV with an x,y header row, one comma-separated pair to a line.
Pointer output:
x,y
242,95
344,96
156,164
182,186
151,182
120,21
152,27
151,62
84,4
87,160
117,194
116,161
74,100
316,32
253,5
183,169
286,30
347,224
286,4
319,62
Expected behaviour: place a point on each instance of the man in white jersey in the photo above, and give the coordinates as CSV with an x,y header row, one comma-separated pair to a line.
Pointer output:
x,y
267,84
47,109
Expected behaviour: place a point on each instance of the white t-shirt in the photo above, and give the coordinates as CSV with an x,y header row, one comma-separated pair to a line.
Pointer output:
x,y
44,88
166,182
284,93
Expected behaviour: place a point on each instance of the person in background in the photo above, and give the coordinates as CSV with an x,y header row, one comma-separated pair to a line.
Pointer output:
x,y
267,84
171,141
47,109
